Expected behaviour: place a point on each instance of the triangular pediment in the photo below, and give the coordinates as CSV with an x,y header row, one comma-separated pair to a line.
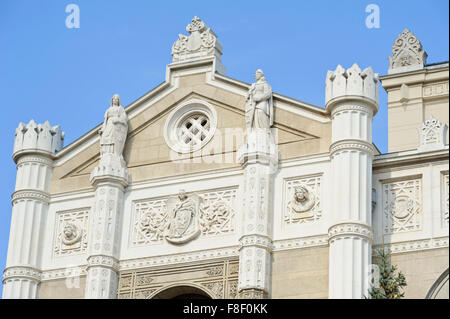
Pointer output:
x,y
148,154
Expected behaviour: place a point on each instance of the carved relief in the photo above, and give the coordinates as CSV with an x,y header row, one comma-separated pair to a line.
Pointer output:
x,y
407,51
218,278
182,223
402,202
200,42
445,198
303,200
180,219
71,230
432,134
217,212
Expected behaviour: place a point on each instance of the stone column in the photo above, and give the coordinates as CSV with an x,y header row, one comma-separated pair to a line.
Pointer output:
x,y
352,100
259,159
34,149
109,179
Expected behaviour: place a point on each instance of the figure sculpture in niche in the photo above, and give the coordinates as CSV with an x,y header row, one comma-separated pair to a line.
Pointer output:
x,y
259,104
114,129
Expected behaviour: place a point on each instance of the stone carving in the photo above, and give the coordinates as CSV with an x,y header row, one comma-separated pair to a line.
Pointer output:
x,y
154,219
215,287
114,129
432,135
445,197
303,201
113,135
259,104
215,271
182,218
407,52
38,136
201,42
217,212
402,206
71,232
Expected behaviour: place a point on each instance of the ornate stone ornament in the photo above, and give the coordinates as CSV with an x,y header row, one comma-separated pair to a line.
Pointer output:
x,y
215,215
182,216
432,135
402,206
408,54
200,42
71,234
302,202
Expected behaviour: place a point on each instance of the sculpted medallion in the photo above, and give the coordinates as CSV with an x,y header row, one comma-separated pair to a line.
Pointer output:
x,y
182,216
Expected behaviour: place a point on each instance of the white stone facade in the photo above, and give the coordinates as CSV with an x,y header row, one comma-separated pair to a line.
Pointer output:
x,y
153,203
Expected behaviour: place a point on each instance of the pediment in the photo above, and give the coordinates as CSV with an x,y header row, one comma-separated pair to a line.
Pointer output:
x,y
148,155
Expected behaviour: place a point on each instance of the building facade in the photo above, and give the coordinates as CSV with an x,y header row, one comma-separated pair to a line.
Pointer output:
x,y
208,187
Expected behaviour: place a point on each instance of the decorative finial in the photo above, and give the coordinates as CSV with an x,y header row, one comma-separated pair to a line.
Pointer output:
x,y
407,54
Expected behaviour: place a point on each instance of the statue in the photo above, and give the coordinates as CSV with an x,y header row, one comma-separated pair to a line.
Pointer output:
x,y
114,129
259,104
182,225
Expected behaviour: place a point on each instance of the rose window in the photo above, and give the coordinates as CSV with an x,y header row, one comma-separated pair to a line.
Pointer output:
x,y
190,126
194,130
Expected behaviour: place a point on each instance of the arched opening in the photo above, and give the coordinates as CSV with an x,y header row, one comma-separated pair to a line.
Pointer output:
x,y
439,290
182,292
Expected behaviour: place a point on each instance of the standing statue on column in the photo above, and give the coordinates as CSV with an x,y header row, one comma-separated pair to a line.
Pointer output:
x,y
259,104
114,130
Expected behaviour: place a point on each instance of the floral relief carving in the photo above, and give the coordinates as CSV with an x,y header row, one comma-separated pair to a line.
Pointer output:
x,y
71,230
210,213
303,200
215,271
402,206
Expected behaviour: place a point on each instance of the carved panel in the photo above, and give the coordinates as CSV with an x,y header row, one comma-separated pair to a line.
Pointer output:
x,y
71,232
437,89
219,279
302,200
445,197
216,215
402,206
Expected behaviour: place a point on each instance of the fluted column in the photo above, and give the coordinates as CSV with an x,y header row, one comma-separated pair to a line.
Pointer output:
x,y
34,149
352,100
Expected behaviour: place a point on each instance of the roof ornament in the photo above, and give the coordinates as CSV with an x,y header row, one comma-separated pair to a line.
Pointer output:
x,y
408,54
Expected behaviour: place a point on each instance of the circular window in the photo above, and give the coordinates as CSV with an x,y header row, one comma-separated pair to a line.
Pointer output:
x,y
190,126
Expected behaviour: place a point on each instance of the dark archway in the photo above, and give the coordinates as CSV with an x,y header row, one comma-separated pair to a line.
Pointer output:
x,y
182,292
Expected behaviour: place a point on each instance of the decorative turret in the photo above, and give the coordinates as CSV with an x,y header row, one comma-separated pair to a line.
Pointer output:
x,y
34,137
34,147
352,82
407,54
351,97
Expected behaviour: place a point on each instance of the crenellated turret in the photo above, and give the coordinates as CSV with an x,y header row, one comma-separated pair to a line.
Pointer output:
x,y
352,100
34,137
34,147
343,83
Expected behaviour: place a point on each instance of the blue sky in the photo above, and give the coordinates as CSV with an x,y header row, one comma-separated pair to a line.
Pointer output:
x,y
67,76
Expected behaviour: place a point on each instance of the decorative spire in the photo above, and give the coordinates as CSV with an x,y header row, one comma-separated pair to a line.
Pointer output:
x,y
408,54
200,43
